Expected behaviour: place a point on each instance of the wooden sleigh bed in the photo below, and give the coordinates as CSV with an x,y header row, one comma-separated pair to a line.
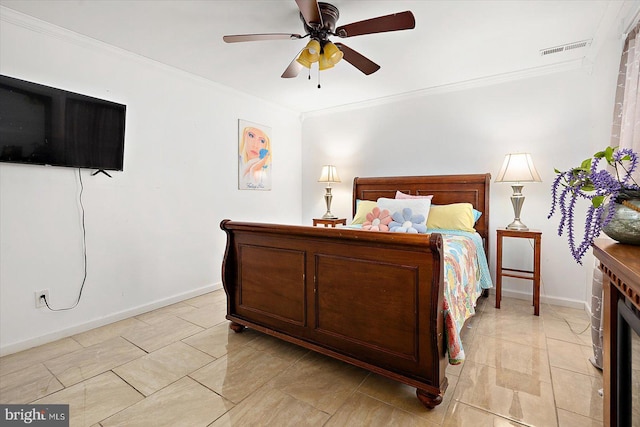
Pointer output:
x,y
374,300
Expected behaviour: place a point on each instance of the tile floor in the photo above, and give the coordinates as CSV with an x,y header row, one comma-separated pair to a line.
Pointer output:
x,y
182,366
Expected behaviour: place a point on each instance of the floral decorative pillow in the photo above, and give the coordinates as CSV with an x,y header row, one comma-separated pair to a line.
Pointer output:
x,y
407,222
377,220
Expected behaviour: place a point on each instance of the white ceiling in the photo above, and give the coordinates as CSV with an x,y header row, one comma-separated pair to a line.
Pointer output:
x,y
453,42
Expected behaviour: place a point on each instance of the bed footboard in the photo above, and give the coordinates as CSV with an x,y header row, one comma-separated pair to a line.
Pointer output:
x,y
370,299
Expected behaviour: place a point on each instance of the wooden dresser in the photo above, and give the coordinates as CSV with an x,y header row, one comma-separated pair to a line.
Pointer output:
x,y
620,265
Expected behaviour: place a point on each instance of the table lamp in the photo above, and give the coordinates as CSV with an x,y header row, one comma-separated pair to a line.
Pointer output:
x,y
516,169
329,174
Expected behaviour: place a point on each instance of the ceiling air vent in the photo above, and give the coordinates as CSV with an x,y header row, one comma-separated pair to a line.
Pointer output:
x,y
565,47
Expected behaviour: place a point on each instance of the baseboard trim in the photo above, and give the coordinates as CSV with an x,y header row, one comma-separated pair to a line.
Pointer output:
x,y
545,299
115,317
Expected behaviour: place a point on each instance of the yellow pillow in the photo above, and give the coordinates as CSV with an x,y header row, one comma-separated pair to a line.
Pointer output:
x,y
456,216
363,207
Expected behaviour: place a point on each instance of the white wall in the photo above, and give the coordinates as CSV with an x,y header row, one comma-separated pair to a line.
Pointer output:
x,y
152,231
559,118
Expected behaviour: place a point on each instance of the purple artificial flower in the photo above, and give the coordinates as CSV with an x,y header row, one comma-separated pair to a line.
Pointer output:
x,y
600,187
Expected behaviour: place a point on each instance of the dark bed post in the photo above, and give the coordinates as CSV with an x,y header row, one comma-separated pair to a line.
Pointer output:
x,y
427,397
229,275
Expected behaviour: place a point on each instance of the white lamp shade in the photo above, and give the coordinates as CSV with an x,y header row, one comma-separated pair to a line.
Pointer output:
x,y
518,167
329,174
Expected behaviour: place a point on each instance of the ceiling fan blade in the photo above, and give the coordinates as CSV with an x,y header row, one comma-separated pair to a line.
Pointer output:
x,y
381,24
293,69
359,61
258,37
310,12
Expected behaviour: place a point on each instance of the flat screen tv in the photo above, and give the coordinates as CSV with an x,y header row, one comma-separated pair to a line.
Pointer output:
x,y
48,126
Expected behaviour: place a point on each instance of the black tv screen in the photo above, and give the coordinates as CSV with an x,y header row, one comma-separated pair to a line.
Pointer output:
x,y
48,126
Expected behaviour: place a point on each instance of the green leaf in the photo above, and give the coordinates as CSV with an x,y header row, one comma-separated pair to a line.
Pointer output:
x,y
588,187
599,155
597,201
586,164
557,171
608,154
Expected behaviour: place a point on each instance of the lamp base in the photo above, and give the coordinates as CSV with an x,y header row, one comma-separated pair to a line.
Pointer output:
x,y
517,225
517,200
327,198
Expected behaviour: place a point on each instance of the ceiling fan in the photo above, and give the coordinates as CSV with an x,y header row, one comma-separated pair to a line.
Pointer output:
x,y
319,20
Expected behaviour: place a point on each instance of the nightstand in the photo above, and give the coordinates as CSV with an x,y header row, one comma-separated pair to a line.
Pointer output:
x,y
534,275
329,222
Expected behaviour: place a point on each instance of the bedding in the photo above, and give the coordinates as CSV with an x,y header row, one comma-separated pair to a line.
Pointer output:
x,y
455,216
466,275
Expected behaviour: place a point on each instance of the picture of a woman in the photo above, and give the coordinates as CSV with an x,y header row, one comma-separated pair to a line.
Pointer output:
x,y
254,156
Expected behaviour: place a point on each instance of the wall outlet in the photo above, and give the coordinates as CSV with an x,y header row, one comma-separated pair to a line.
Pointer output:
x,y
40,296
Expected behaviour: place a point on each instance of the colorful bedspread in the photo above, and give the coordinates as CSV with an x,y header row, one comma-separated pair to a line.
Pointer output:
x,y
466,274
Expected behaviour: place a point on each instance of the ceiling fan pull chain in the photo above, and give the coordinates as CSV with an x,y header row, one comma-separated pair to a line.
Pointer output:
x,y
318,78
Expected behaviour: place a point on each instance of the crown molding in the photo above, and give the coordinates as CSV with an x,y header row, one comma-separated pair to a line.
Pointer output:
x,y
36,25
490,80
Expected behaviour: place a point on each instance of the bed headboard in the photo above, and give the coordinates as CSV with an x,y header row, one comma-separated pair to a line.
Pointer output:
x,y
445,189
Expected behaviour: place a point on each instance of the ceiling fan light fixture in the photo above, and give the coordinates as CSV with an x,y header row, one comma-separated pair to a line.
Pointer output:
x,y
310,54
324,63
332,53
303,59
313,47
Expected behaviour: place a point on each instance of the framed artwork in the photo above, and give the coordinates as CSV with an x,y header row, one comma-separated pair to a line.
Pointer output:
x,y
254,156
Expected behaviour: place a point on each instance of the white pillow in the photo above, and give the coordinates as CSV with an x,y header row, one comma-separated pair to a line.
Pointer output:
x,y
417,206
